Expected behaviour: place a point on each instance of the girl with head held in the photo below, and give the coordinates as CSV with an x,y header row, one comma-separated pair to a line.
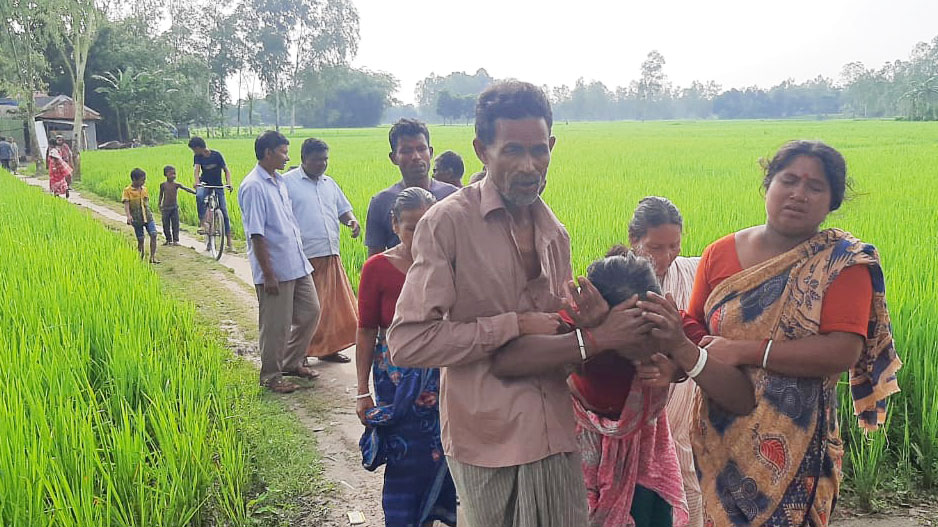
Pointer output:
x,y
401,416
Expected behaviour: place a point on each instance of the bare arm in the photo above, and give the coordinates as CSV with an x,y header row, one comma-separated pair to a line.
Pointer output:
x,y
623,330
198,173
727,385
536,355
364,359
159,200
349,220
227,177
127,212
814,356
187,189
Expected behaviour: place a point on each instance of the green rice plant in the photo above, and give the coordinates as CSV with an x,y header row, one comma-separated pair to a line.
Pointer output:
x,y
710,169
113,402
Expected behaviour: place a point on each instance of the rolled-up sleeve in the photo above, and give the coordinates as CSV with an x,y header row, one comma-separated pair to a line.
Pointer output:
x,y
253,210
421,334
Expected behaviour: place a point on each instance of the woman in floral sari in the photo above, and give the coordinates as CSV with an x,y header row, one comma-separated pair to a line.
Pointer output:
x,y
403,430
60,172
793,307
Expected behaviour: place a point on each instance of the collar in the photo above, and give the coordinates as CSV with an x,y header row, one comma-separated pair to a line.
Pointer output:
x,y
265,174
322,177
491,199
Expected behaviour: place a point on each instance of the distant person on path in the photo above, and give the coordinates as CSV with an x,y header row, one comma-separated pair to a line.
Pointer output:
x,y
288,308
821,311
320,206
403,430
136,201
208,166
411,153
491,267
169,207
15,160
60,172
6,154
65,151
448,168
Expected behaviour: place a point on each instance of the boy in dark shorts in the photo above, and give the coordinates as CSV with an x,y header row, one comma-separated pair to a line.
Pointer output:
x,y
137,207
169,207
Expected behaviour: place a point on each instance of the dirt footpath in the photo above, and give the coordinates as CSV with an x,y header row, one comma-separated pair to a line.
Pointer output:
x,y
327,410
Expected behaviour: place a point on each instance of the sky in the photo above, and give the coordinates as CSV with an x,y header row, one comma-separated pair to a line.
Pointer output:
x,y
737,43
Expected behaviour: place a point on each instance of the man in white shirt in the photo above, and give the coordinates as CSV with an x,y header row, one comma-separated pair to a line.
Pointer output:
x,y
288,308
320,205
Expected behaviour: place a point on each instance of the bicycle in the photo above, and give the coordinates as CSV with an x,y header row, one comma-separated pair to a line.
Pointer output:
x,y
214,224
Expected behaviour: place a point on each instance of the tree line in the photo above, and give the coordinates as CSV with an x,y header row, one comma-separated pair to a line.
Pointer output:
x,y
906,89
153,68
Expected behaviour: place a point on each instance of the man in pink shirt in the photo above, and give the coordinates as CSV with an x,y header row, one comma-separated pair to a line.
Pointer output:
x,y
491,267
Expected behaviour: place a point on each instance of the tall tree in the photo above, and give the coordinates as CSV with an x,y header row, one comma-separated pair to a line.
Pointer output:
x,y
24,37
74,27
653,84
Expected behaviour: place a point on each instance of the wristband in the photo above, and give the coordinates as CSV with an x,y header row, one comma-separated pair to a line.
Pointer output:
x,y
579,341
362,395
765,356
701,363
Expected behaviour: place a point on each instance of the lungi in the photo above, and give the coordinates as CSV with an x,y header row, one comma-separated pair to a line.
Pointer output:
x,y
338,323
546,493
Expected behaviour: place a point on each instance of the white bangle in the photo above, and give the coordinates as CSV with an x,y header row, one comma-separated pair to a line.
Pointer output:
x,y
701,362
765,356
579,341
363,395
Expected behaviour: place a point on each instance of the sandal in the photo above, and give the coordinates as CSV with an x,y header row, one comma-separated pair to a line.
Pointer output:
x,y
282,386
336,357
303,373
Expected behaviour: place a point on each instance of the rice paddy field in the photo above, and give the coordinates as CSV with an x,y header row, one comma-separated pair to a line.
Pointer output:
x,y
598,174
116,406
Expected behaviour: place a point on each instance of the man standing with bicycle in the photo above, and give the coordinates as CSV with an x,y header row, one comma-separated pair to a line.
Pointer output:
x,y
208,165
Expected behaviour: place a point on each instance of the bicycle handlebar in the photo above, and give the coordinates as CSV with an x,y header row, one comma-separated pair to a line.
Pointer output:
x,y
214,186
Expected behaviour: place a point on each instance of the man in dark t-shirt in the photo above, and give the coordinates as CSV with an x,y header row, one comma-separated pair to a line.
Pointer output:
x,y
208,166
411,153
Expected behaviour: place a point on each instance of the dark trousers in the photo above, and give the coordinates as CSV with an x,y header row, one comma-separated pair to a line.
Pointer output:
x,y
171,224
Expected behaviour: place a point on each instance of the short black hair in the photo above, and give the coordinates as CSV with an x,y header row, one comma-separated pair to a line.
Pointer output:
x,y
168,168
137,173
451,161
407,127
311,146
835,167
268,140
197,142
653,211
510,100
619,277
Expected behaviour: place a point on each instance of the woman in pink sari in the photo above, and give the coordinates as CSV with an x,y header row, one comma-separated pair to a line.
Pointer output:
x,y
60,172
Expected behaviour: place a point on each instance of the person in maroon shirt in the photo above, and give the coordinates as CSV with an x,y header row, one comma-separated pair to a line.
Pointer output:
x,y
403,430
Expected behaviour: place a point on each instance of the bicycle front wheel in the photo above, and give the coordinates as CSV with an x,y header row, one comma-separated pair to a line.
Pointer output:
x,y
217,235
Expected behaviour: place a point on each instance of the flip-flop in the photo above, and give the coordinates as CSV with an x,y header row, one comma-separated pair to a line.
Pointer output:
x,y
336,357
282,386
303,373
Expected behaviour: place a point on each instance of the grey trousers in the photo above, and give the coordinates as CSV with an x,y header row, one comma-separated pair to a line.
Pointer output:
x,y
287,322
545,493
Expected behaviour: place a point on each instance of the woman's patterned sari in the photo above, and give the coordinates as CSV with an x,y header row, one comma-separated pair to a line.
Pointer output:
x,y
780,466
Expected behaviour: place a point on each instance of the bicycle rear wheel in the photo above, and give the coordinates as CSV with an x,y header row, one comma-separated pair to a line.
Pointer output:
x,y
216,235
